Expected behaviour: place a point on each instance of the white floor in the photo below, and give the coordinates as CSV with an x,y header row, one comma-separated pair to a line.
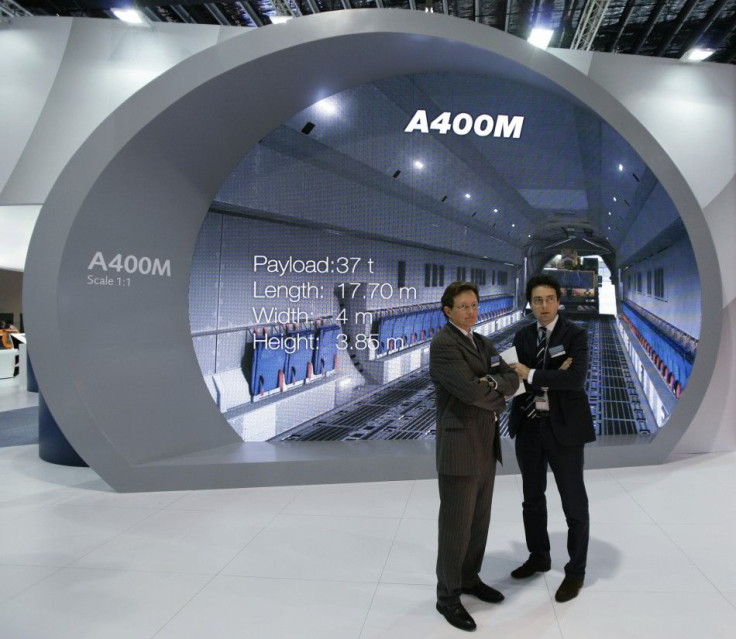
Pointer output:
x,y
13,395
354,560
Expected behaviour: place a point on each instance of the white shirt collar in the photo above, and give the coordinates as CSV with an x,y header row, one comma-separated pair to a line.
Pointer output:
x,y
462,330
551,326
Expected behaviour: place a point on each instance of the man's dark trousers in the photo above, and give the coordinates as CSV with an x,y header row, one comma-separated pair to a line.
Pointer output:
x,y
536,447
463,499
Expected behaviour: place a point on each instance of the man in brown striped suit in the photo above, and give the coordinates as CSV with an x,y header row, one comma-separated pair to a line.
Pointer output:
x,y
471,382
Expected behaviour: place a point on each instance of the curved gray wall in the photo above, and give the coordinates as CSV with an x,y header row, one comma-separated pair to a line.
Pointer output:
x,y
127,391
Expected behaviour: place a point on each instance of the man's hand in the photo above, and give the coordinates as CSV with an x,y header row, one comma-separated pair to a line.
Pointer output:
x,y
521,370
488,379
566,364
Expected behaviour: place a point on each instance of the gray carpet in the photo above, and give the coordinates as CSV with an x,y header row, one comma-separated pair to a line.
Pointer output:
x,y
18,427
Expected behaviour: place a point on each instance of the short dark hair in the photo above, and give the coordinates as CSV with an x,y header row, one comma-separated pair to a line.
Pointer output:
x,y
454,289
542,280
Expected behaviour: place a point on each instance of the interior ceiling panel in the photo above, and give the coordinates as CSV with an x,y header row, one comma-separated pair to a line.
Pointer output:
x,y
664,28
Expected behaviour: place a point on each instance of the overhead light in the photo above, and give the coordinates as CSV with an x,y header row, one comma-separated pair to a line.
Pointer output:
x,y
540,37
280,19
513,225
326,107
609,213
129,15
620,167
418,164
495,210
697,54
614,199
467,196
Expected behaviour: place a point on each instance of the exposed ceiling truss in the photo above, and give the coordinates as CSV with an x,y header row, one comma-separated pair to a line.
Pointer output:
x,y
664,28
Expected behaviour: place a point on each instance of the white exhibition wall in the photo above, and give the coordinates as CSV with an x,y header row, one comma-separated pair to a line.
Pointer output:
x,y
60,78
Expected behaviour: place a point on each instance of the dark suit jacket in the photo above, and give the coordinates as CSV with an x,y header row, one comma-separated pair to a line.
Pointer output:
x,y
569,410
467,429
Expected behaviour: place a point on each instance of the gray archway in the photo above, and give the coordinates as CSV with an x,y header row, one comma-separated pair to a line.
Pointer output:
x,y
127,391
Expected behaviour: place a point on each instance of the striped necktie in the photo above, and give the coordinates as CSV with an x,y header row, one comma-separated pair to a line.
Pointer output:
x,y
529,407
469,335
541,346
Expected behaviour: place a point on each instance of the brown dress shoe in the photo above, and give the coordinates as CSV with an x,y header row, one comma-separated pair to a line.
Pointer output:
x,y
456,615
569,588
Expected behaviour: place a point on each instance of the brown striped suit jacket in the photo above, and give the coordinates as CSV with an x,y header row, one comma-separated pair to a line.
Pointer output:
x,y
467,428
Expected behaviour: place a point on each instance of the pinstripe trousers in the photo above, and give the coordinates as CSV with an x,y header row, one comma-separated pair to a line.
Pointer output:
x,y
464,517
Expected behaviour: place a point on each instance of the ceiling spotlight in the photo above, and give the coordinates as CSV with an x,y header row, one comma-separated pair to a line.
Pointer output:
x,y
513,225
620,167
540,37
418,164
495,210
326,107
609,213
129,15
697,55
614,199
467,196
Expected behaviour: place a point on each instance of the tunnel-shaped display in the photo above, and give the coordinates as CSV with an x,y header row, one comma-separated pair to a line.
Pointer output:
x,y
316,277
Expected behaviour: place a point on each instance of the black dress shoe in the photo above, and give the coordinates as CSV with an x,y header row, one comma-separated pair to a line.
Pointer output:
x,y
531,566
484,592
569,588
456,615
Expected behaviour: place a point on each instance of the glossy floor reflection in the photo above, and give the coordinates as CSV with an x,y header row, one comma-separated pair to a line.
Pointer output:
x,y
353,560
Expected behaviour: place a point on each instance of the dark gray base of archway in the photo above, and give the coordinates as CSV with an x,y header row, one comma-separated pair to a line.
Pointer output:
x,y
53,447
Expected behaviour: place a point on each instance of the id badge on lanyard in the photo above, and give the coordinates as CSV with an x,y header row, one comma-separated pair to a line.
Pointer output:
x,y
541,401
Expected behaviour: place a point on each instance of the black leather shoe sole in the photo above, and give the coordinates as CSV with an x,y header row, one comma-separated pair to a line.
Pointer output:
x,y
456,616
530,568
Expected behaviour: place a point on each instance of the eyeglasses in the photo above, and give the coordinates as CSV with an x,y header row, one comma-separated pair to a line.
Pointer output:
x,y
467,307
540,301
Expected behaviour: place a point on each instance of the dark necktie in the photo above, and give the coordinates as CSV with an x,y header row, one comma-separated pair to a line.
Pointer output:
x,y
541,346
529,404
469,335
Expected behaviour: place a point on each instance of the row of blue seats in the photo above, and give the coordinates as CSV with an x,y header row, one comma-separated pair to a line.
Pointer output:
x,y
682,340
672,362
277,356
401,329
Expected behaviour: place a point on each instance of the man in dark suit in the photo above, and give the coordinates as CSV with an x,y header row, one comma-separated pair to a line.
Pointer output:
x,y
471,381
552,422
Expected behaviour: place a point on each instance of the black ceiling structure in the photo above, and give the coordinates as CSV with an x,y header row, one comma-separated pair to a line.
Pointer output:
x,y
662,28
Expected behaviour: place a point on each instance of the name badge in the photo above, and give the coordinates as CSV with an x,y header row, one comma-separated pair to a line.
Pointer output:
x,y
495,360
541,401
556,351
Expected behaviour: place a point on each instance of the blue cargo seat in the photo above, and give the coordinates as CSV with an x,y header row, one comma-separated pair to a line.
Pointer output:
x,y
268,364
325,351
299,363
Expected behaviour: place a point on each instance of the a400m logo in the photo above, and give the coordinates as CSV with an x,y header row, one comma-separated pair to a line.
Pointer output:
x,y
463,123
131,264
